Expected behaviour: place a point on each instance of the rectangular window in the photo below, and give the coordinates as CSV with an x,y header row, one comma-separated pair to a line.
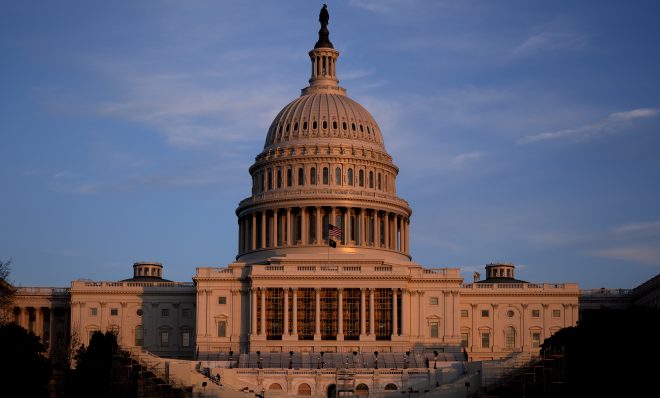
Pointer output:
x,y
536,340
222,329
485,340
185,339
139,335
185,312
434,330
464,314
434,301
164,338
536,313
464,339
485,313
222,300
165,312
114,311
556,313
93,311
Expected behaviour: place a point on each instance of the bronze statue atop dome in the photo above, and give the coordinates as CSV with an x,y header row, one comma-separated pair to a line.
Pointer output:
x,y
324,34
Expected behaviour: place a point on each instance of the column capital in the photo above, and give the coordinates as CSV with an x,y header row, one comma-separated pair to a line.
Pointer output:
x,y
545,305
524,306
473,305
494,306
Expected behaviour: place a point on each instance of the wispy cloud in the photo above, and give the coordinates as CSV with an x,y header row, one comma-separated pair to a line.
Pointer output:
x,y
638,227
550,41
612,123
464,158
647,255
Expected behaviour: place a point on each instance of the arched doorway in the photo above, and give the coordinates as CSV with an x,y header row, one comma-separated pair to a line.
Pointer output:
x,y
304,389
275,386
332,391
391,387
362,390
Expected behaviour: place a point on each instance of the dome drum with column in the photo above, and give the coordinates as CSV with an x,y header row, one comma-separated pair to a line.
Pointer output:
x,y
324,162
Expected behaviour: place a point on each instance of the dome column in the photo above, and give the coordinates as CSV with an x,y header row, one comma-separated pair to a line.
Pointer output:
x,y
376,237
347,228
387,230
274,241
304,227
253,244
263,229
289,238
319,226
395,313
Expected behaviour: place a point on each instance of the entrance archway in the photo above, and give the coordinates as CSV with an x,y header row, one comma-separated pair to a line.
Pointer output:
x,y
362,390
332,391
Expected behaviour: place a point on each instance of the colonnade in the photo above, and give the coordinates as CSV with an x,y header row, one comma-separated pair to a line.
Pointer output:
x,y
39,320
378,313
307,225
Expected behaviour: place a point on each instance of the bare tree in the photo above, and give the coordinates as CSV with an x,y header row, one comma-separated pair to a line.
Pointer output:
x,y
7,291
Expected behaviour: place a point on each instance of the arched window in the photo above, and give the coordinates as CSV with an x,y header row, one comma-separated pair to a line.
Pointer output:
x,y
350,177
371,179
269,178
139,336
304,389
361,178
275,386
338,176
301,176
326,176
305,125
343,125
391,387
362,389
510,337
312,176
314,125
325,124
334,125
289,177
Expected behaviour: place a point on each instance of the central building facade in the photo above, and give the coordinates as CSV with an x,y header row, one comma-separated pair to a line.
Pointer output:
x,y
324,163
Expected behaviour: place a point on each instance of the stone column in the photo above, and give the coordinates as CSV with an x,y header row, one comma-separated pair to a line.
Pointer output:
x,y
386,232
286,313
475,347
340,314
263,229
523,332
372,313
289,237
294,322
395,313
317,314
51,329
240,235
361,228
422,330
405,317
546,334
376,237
263,312
454,310
253,244
254,330
445,316
363,314
319,226
495,330
207,294
275,227
347,228
304,235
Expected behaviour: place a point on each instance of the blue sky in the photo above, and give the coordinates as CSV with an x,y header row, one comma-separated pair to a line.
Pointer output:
x,y
525,131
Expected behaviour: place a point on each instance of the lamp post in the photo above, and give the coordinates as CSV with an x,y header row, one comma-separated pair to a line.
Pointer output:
x,y
259,359
231,358
405,360
435,359
322,362
290,359
467,389
376,360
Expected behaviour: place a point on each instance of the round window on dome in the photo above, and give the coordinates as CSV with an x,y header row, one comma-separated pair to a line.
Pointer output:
x,y
353,126
334,125
304,125
287,128
295,127
343,125
314,125
510,313
325,125
361,129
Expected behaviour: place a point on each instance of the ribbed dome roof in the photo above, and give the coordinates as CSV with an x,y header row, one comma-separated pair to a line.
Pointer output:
x,y
322,115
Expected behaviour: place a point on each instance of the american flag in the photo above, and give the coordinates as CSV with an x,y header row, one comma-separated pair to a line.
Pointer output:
x,y
334,232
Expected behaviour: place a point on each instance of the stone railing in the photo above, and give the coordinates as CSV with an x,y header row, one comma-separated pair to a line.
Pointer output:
x,y
605,292
88,284
43,291
521,285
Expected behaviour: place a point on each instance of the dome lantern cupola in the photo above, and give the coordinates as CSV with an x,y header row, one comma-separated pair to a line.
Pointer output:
x,y
324,62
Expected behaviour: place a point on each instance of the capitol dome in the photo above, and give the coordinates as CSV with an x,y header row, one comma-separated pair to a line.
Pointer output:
x,y
323,164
